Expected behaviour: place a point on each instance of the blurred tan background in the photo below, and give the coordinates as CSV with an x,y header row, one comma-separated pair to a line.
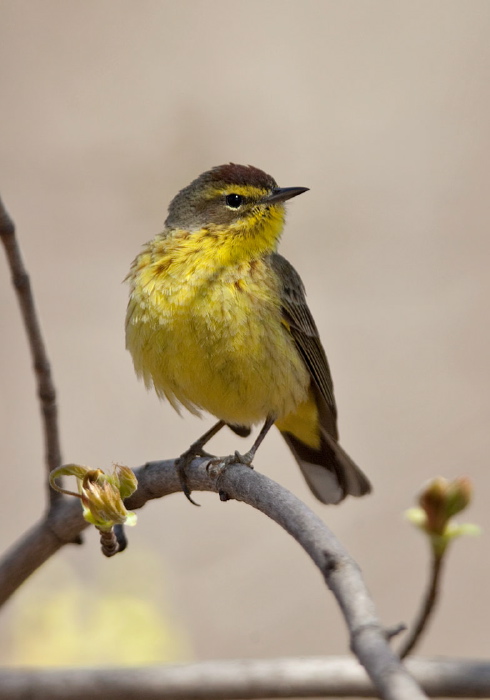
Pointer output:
x,y
383,110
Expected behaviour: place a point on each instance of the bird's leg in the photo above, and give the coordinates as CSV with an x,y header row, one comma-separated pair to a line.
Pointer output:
x,y
220,464
195,450
248,457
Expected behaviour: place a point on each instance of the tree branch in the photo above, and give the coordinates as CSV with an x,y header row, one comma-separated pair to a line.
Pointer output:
x,y
45,387
240,680
64,523
341,573
427,608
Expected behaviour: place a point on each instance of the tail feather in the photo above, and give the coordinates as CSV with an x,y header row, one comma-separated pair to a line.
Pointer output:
x,y
329,471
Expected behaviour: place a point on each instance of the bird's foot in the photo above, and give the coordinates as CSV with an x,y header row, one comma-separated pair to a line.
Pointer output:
x,y
217,466
183,463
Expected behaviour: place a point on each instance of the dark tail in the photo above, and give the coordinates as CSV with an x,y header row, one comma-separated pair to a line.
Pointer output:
x,y
329,471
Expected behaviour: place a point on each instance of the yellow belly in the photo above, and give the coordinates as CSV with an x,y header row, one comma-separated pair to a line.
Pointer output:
x,y
214,340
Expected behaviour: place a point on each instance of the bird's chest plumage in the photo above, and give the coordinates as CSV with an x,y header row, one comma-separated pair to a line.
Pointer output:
x,y
213,339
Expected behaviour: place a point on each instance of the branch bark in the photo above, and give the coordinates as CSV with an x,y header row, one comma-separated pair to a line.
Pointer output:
x,y
45,387
427,609
341,574
240,680
64,523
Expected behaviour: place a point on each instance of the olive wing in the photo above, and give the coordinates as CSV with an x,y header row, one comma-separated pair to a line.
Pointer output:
x,y
302,327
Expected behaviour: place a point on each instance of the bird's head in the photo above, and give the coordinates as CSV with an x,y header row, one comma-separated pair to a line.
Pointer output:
x,y
232,199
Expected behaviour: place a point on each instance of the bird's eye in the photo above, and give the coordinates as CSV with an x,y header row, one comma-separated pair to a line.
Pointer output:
x,y
234,201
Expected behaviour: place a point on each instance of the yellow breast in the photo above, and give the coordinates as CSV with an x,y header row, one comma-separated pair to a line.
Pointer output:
x,y
209,335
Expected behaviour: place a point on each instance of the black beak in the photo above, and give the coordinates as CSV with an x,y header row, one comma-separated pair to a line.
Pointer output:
x,y
281,194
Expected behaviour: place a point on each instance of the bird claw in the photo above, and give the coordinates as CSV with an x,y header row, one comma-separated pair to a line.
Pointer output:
x,y
245,459
183,463
218,465
215,467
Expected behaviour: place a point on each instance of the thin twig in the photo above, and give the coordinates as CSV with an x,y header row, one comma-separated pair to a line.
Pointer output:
x,y
427,609
45,387
334,676
109,544
341,573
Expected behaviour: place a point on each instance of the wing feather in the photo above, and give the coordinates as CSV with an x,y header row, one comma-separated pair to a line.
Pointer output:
x,y
303,329
329,471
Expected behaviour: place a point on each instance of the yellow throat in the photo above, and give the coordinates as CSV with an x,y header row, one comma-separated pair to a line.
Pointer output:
x,y
204,320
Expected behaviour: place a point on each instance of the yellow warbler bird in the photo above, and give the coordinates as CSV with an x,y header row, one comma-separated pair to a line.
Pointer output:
x,y
217,320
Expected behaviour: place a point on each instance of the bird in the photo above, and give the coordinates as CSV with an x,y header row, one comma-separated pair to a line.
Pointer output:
x,y
217,321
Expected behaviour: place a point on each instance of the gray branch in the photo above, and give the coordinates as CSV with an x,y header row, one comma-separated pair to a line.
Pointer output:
x,y
45,386
233,680
341,574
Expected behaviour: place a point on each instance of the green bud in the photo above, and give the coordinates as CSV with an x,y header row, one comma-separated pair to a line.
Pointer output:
x,y
459,495
128,482
439,502
432,500
101,494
